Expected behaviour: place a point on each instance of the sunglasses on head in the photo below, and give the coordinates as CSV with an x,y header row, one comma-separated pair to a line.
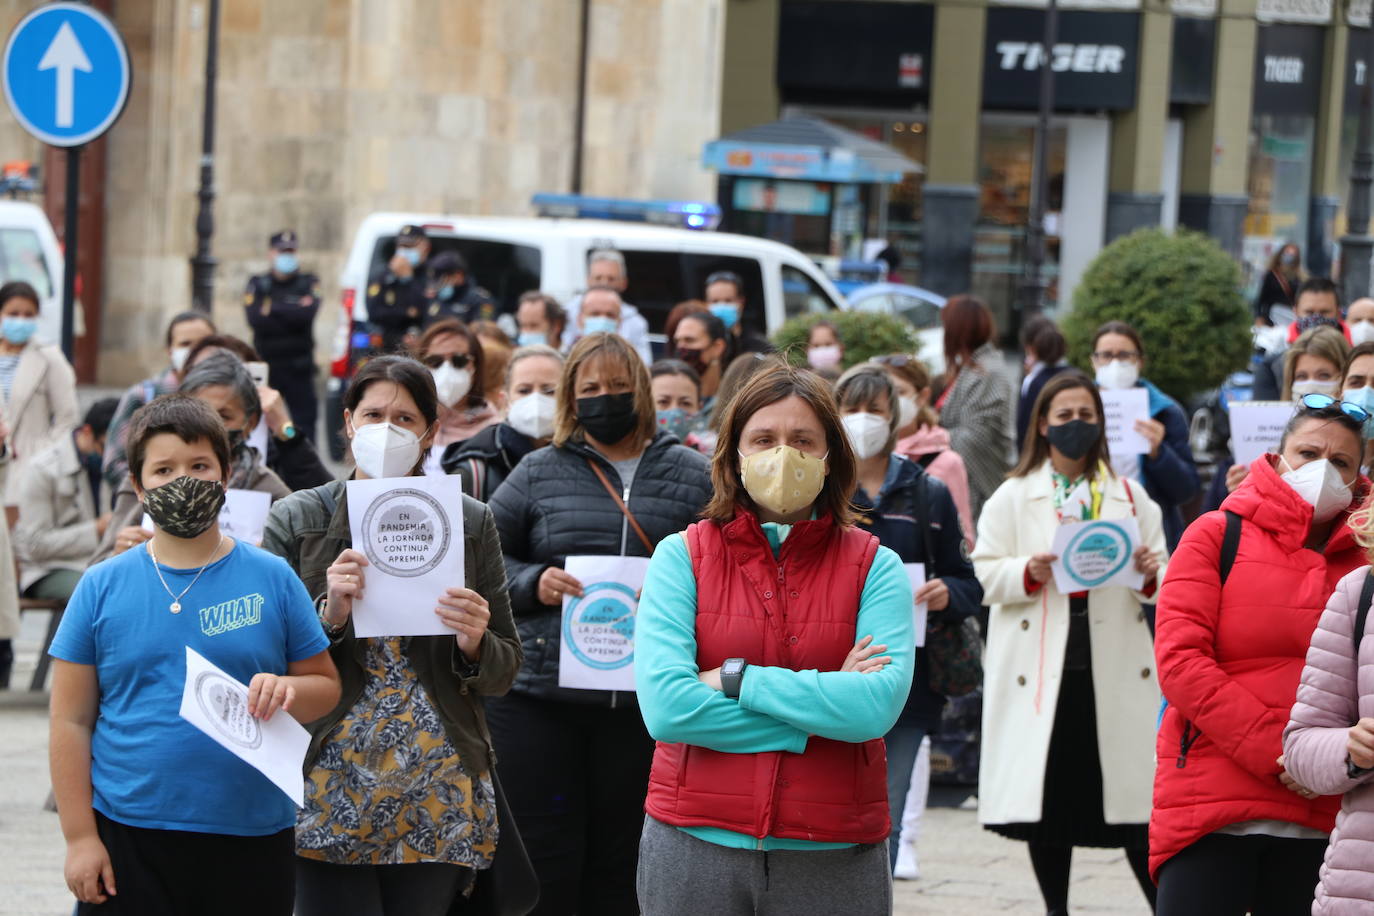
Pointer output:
x,y
1327,402
896,360
457,360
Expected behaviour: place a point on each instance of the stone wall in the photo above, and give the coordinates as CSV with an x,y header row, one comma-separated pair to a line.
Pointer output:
x,y
333,109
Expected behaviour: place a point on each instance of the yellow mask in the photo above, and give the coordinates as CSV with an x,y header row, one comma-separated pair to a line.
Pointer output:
x,y
782,480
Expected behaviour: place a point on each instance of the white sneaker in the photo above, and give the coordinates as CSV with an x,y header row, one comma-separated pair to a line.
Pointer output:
x,y
907,868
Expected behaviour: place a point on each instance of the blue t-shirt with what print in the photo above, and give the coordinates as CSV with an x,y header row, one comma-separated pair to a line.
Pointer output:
x,y
149,767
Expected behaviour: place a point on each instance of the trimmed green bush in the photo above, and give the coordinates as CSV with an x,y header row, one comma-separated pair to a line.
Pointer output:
x,y
865,335
1181,292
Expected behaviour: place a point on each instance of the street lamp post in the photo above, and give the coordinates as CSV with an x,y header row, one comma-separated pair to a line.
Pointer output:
x,y
1356,245
203,263
1033,284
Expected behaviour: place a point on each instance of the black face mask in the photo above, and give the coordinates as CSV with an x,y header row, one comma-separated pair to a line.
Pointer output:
x,y
1074,438
608,418
693,358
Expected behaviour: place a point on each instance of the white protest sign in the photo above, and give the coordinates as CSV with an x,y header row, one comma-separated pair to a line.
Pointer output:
x,y
1257,427
597,650
257,439
217,704
1124,406
245,515
916,574
411,531
1096,554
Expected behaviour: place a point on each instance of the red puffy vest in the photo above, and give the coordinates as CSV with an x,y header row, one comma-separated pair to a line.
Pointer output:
x,y
798,611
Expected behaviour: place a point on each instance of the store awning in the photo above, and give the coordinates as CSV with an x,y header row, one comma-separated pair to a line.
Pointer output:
x,y
807,149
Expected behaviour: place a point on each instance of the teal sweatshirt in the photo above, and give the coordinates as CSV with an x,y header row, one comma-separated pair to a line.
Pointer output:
x,y
778,708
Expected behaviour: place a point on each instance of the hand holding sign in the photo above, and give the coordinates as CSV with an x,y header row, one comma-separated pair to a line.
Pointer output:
x,y
597,647
1096,554
465,611
1125,408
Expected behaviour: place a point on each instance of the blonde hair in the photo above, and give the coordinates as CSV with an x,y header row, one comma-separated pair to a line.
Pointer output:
x,y
616,350
1322,342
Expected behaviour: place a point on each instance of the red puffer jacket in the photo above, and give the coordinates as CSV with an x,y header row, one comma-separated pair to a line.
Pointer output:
x,y
1230,659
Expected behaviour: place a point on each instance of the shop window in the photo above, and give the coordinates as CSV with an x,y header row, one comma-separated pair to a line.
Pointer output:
x,y
1279,184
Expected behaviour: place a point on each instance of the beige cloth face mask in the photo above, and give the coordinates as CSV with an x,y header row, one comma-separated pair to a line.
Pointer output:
x,y
782,480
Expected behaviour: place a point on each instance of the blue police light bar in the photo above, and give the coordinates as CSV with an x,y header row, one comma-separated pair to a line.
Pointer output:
x,y
686,214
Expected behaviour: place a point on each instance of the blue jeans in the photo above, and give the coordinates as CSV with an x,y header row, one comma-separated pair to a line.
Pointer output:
x,y
903,743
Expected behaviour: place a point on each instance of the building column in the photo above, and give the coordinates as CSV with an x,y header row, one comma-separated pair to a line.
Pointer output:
x,y
1326,152
1216,137
1135,197
749,66
950,193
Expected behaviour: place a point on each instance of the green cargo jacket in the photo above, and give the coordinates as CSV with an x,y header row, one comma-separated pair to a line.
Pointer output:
x,y
302,530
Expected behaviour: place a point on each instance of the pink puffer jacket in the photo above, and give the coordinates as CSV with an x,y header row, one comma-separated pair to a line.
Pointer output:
x,y
1331,698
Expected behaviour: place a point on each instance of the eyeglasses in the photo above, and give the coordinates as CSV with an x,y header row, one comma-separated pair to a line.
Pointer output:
x,y
457,360
1107,356
1326,402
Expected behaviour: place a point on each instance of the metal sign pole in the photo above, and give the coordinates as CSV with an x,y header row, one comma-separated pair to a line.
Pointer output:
x,y
69,232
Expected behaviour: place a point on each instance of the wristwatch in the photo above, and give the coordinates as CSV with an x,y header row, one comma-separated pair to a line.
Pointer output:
x,y
732,676
1352,771
287,432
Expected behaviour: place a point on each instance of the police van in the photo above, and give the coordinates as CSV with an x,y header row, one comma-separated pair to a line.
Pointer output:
x,y
510,256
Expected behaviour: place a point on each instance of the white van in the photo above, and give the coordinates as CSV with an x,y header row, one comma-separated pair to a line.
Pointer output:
x,y
29,251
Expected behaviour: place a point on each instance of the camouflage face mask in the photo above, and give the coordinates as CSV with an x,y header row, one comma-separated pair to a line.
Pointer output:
x,y
186,507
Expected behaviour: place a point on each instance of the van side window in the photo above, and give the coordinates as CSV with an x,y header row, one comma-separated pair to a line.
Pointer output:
x,y
21,258
659,280
801,294
503,269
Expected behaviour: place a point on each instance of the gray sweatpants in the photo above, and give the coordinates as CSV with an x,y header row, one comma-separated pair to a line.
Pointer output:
x,y
680,875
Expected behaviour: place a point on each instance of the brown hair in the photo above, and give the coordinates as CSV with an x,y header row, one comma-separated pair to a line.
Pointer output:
x,y
736,375
227,342
187,418
775,381
1124,330
1364,349
1323,342
553,312
968,325
915,374
1035,451
477,393
679,312
594,348
1043,336
860,386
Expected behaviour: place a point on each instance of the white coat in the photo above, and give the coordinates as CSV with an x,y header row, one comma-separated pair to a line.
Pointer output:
x,y
1026,641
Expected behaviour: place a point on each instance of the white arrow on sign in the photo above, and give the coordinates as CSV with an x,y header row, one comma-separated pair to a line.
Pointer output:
x,y
66,56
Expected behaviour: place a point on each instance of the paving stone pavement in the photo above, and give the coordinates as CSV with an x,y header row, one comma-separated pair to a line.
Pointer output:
x,y
966,871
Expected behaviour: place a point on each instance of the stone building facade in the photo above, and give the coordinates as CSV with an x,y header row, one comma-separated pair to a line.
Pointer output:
x,y
329,110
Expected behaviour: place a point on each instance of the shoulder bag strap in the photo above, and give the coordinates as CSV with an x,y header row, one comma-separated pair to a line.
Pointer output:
x,y
1230,543
1362,615
620,504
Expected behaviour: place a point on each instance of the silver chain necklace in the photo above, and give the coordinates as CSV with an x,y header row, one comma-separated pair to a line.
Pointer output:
x,y
175,606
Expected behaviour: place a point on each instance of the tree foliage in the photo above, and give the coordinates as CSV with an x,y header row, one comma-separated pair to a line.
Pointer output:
x,y
1181,292
864,334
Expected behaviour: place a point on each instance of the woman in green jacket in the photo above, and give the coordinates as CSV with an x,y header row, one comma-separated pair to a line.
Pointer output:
x,y
400,798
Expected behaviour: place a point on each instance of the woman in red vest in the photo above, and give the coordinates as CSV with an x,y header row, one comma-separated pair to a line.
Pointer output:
x,y
773,649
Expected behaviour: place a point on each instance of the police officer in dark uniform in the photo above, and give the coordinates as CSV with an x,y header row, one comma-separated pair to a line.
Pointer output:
x,y
281,306
451,295
398,296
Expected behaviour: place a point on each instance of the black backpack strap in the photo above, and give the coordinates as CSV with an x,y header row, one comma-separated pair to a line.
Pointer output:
x,y
1230,543
920,506
1362,615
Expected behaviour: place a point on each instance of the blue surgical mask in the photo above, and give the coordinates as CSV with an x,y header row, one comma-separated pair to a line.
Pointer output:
x,y
285,263
532,339
677,421
727,312
1364,397
18,330
599,324
446,292
412,255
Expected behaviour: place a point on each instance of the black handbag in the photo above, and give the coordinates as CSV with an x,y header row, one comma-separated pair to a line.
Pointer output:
x,y
510,887
954,648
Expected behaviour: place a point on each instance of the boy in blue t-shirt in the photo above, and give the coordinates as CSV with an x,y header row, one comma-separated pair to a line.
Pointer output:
x,y
158,818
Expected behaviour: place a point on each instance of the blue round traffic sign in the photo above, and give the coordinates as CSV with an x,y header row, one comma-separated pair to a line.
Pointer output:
x,y
66,73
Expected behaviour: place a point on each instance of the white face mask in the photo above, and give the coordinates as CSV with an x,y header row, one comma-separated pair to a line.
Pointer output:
x,y
868,433
1320,484
451,384
179,357
532,415
1118,374
1313,386
385,450
1362,332
906,412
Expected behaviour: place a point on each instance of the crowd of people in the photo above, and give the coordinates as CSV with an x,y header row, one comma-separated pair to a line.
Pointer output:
x,y
834,549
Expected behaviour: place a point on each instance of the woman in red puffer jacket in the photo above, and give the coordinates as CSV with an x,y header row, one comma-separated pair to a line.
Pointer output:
x,y
1231,831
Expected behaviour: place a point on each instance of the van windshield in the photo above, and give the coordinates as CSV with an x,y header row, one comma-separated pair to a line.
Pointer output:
x,y
21,258
503,269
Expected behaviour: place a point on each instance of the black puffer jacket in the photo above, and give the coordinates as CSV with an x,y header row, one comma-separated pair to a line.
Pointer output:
x,y
484,462
552,505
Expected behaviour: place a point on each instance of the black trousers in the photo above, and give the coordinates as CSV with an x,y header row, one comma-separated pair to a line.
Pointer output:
x,y
177,873
294,379
1223,875
576,777
421,889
